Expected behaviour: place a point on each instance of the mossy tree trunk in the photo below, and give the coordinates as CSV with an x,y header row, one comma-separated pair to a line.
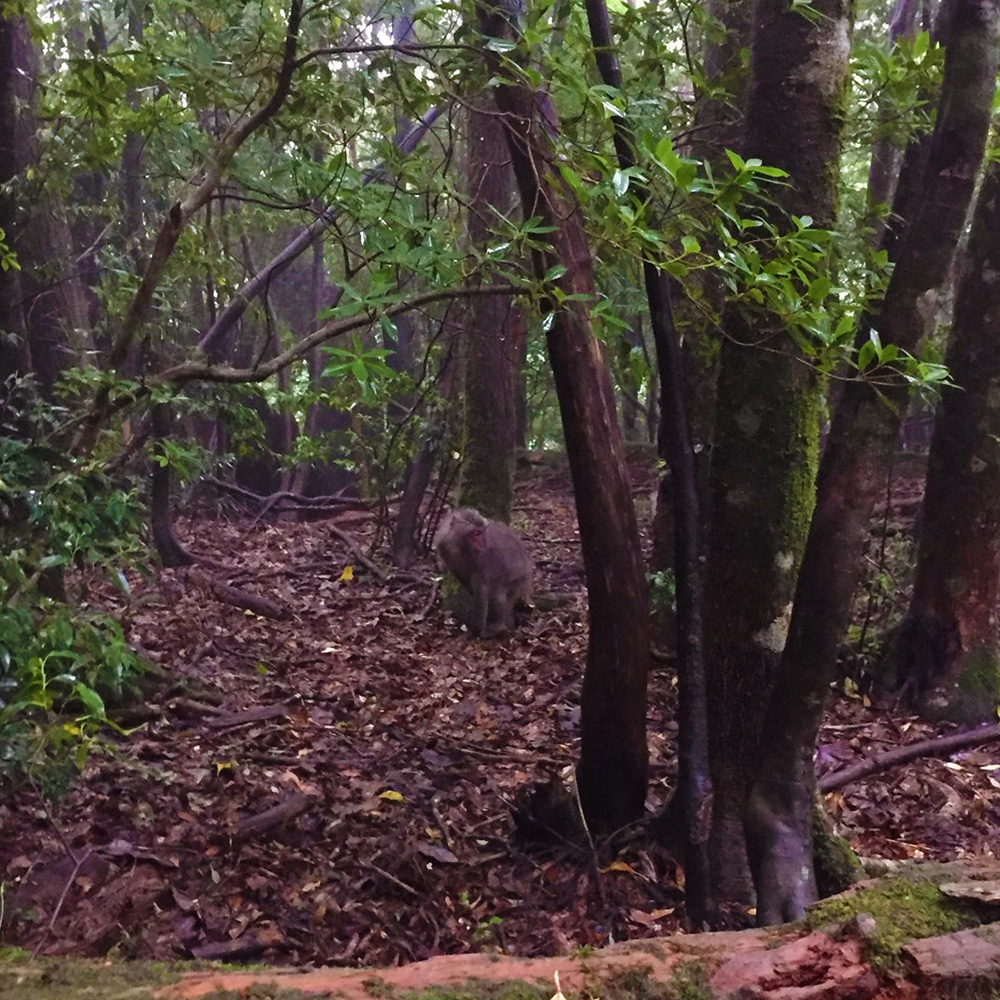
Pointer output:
x,y
495,329
863,433
767,417
612,772
948,642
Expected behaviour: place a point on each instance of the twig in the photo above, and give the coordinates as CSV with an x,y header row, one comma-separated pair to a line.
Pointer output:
x,y
357,552
233,719
422,614
392,878
62,897
439,819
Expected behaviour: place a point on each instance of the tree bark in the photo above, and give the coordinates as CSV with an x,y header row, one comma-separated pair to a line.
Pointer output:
x,y
15,358
612,772
494,331
168,547
767,418
863,432
947,651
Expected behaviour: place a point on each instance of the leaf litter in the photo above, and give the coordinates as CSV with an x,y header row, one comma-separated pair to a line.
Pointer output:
x,y
347,800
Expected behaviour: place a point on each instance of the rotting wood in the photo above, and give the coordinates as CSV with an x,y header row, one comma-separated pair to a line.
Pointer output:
x,y
232,719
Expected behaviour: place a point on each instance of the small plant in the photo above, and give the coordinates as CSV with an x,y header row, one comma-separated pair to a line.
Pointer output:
x,y
59,664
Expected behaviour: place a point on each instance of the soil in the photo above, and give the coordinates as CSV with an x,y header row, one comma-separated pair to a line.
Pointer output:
x,y
390,747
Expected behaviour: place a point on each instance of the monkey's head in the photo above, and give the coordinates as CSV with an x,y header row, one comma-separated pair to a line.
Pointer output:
x,y
462,528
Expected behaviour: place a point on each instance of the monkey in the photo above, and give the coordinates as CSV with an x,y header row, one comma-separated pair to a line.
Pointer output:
x,y
492,564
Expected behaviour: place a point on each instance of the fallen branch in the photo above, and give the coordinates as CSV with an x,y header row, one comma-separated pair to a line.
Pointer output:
x,y
923,748
335,499
294,804
238,598
232,719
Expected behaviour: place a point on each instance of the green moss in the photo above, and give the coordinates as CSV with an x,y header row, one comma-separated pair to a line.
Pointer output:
x,y
260,991
979,682
902,910
837,866
25,978
480,989
689,982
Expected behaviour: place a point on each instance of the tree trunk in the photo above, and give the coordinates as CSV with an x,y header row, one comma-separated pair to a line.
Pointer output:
x,y
495,329
612,772
694,788
404,539
51,300
884,168
716,127
169,549
948,641
15,357
767,418
863,432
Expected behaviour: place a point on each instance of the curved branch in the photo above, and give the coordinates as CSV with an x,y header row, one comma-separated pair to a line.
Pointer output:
x,y
210,343
208,372
191,198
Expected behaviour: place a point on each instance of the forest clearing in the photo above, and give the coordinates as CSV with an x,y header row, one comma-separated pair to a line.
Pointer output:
x,y
495,481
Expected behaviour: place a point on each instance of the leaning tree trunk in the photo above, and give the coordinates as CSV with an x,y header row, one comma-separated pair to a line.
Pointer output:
x,y
947,645
862,435
495,329
767,418
612,772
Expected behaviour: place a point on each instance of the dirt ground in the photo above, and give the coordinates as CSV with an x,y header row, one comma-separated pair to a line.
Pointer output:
x,y
391,747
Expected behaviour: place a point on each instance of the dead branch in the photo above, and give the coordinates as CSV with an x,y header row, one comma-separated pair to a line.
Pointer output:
x,y
294,804
248,946
333,499
425,610
938,746
232,719
238,598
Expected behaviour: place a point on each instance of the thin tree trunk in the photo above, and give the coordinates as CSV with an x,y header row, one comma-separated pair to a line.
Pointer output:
x,y
948,643
863,432
612,772
404,539
169,549
694,782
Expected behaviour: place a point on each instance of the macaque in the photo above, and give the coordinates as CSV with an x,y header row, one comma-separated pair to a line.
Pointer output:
x,y
492,564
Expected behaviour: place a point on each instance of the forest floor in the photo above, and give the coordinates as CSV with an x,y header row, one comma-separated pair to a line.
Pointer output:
x,y
392,748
